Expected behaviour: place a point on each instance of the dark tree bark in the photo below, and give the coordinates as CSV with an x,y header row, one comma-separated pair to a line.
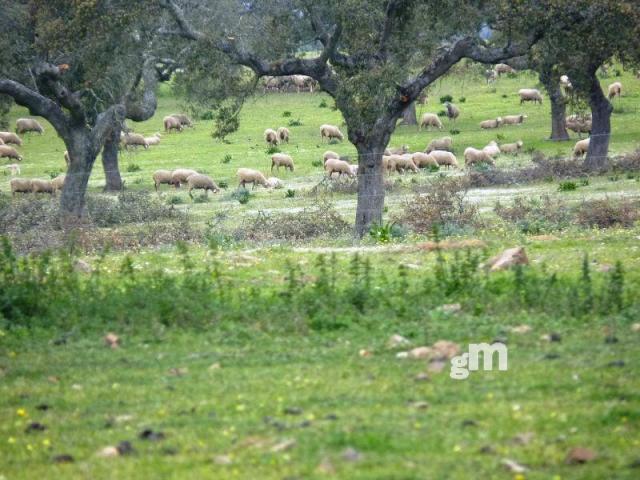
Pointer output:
x,y
601,110
113,180
558,105
409,116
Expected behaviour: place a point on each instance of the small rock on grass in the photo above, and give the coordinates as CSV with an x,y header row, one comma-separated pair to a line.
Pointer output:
x,y
635,327
396,341
222,460
350,454
151,435
292,411
513,466
284,445
112,340
419,405
436,366
521,329
63,458
422,377
325,466
580,455
109,452
35,427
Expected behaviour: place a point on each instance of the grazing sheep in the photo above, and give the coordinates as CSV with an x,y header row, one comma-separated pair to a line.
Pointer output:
x,y
10,137
24,125
492,149
281,160
283,134
530,95
171,123
330,132
430,120
9,152
473,156
162,176
271,137
1,142
615,90
14,167
421,160
501,68
58,183
579,124
134,140
198,181
248,175
397,150
487,124
42,186
444,158
385,162
329,154
153,139
453,112
274,182
180,175
512,148
183,119
20,185
401,163
565,82
444,143
334,165
513,119
581,148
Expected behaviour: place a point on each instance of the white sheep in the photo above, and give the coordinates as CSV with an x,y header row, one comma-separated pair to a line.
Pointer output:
x,y
10,138
473,156
402,163
421,160
24,125
171,123
445,158
198,181
501,68
330,132
248,175
162,177
183,119
487,124
181,175
430,120
329,154
514,119
20,185
492,149
271,137
615,90
281,160
9,152
530,95
274,183
444,143
134,140
333,165
14,168
581,147
283,134
42,186
511,148
153,139
58,182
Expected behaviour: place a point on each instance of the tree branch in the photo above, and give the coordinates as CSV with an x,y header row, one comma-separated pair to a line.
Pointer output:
x,y
185,29
141,109
391,12
48,80
104,124
37,104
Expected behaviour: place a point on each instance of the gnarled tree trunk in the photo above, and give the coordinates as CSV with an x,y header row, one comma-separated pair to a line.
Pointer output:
x,y
601,110
113,181
558,105
409,116
82,156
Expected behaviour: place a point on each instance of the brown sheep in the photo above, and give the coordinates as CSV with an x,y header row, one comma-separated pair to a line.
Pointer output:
x,y
202,182
42,186
330,132
281,160
248,175
10,137
20,185
340,167
171,123
271,137
24,125
9,152
162,177
181,175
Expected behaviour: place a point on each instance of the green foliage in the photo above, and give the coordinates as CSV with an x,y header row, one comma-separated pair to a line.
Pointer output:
x,y
462,99
386,233
133,167
567,186
290,193
446,98
316,163
227,158
226,122
286,113
323,104
175,200
242,195
295,123
271,149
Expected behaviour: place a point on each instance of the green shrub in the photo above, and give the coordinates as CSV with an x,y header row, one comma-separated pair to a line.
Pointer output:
x,y
316,163
242,195
446,98
271,149
286,113
227,158
289,193
133,167
567,186
386,233
295,123
323,104
175,200
462,99
223,184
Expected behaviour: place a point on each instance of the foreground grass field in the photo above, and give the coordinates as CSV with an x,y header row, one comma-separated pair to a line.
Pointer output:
x,y
267,358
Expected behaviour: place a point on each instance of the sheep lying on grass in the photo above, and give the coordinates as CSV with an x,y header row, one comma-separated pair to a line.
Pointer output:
x,y
513,119
201,182
444,143
248,175
487,124
9,152
430,120
330,132
511,148
281,160
24,125
473,156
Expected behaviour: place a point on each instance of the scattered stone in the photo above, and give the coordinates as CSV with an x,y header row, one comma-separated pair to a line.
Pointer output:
x,y
616,363
396,341
451,308
125,448
422,377
521,329
63,458
523,438
469,423
35,427
580,455
507,259
487,450
364,353
444,349
112,340
223,460
292,411
350,454
81,266
436,366
551,337
513,466
635,327
43,407
325,466
611,339
331,416
178,371
215,366
109,452
552,356
151,435
283,445
419,405
416,353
